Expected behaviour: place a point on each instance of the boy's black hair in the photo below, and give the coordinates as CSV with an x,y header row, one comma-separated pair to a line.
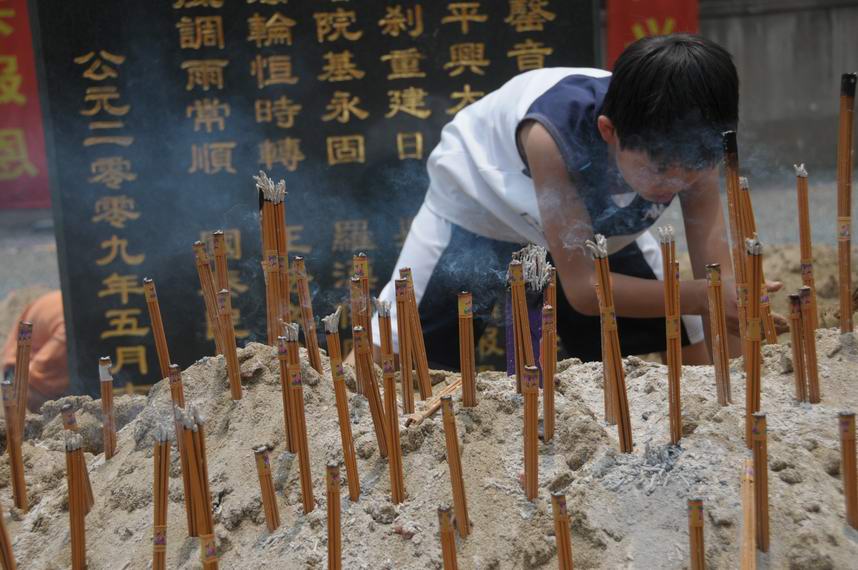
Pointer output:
x,y
672,96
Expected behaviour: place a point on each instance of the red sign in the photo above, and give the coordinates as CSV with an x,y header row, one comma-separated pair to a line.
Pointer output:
x,y
23,166
630,20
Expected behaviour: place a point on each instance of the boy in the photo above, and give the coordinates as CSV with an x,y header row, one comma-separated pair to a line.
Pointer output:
x,y
557,155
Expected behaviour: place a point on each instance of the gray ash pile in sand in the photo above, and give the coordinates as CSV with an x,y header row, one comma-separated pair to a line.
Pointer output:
x,y
628,510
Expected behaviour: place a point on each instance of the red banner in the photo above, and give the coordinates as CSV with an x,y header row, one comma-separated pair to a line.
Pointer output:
x,y
630,20
23,166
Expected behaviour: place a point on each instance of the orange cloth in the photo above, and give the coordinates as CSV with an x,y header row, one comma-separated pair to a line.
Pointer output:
x,y
49,376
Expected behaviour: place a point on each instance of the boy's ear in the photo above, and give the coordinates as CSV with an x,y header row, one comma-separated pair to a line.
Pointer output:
x,y
607,130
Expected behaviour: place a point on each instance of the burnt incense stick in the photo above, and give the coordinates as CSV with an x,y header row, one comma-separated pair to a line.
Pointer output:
x,y
271,273
718,333
796,327
204,272
750,231
562,531
359,306
224,307
599,251
108,421
748,550
433,404
549,294
221,272
448,539
76,501
365,370
157,326
22,370
335,538
753,336
360,269
454,462
467,360
520,322
332,334
805,240
844,197
530,390
391,409
418,345
283,359
308,322
266,486
548,358
673,331
609,398
848,474
761,481
695,534
298,429
403,330
274,196
737,241
14,437
7,556
810,360
70,424
160,495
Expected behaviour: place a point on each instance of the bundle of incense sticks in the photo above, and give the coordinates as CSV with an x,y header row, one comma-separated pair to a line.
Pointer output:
x,y
797,341
599,250
753,336
848,466
749,230
7,557
359,306
272,208
78,501
718,333
360,269
418,345
805,240
157,326
403,330
433,404
536,274
844,197
296,414
672,313
731,175
22,370
548,357
748,551
761,481
448,539
366,376
307,319
271,274
610,400
283,358
530,390
335,537
266,485
224,308
454,462
108,422
332,334
160,495
14,437
695,534
562,531
391,410
204,272
194,444
520,322
467,360
810,361
70,424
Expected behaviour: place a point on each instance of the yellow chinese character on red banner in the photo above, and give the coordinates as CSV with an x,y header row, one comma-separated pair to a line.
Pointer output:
x,y
204,73
10,81
411,101
14,157
285,151
98,69
465,98
276,30
342,106
124,323
340,67
352,235
208,113
211,158
279,69
404,63
198,4
529,54
529,15
282,111
409,145
115,210
119,247
101,99
112,171
331,26
122,285
464,13
200,31
293,234
395,22
5,28
128,355
345,149
470,56
653,28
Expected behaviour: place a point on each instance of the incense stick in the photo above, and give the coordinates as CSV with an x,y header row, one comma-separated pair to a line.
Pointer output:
x,y
271,273
160,495
335,539
177,396
448,539
748,550
13,447
467,361
22,370
283,359
7,556
761,481
530,390
366,376
418,345
454,462
796,328
750,231
520,322
157,326
299,422
848,467
718,333
844,197
307,319
274,252
224,306
549,294
360,269
548,357
599,250
76,501
731,178
805,240
673,331
753,336
810,361
562,531
193,432
695,534
359,306
204,272
219,252
391,410
70,424
610,400
266,486
332,333
403,329
433,404
108,422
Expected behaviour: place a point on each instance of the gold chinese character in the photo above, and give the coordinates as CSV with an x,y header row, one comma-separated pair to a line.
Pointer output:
x,y
98,70
530,54
124,323
279,70
340,67
127,355
236,317
464,13
470,56
211,158
122,285
489,344
6,29
653,28
114,139
404,226
231,239
204,73
395,22
342,106
236,287
465,97
331,26
198,4
10,81
200,31
268,2
409,145
345,149
410,101
282,111
112,171
529,15
115,210
101,98
341,273
352,235
276,30
119,247
404,63
293,235
14,158
208,113
285,151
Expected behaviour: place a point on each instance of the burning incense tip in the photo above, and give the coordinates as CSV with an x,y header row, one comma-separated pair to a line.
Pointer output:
x,y
73,441
728,139
753,246
383,307
847,84
666,234
104,365
598,246
743,183
800,170
290,332
332,321
272,192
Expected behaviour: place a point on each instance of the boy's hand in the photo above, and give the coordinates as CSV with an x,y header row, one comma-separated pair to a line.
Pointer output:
x,y
731,304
